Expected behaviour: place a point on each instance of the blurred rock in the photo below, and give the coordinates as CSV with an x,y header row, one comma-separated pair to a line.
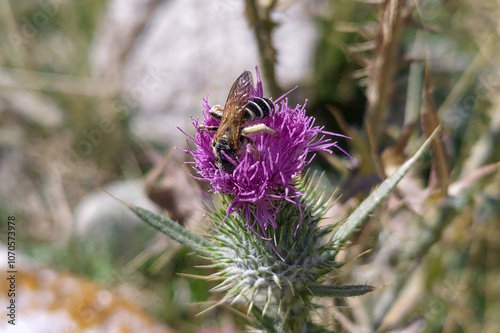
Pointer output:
x,y
106,228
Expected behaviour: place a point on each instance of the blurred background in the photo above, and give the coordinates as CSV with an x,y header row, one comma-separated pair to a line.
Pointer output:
x,y
92,94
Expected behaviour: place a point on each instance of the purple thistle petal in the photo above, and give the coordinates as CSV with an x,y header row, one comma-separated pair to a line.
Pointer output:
x,y
262,181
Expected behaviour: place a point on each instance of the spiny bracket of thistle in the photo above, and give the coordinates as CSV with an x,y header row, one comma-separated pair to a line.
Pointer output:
x,y
281,272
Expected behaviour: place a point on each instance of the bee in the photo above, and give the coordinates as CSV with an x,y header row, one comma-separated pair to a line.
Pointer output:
x,y
230,137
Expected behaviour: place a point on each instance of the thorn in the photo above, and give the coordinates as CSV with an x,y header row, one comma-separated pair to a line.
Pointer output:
x,y
129,205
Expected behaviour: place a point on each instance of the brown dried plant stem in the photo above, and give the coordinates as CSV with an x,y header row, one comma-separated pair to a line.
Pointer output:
x,y
380,75
429,121
259,19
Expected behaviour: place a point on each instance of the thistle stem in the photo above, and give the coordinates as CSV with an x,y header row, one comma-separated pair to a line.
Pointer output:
x,y
263,27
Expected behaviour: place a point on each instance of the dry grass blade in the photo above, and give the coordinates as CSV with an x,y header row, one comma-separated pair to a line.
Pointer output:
x,y
43,81
430,121
380,77
362,47
468,76
485,146
470,179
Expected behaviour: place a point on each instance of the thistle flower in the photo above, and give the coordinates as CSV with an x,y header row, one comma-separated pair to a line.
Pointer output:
x,y
266,171
265,189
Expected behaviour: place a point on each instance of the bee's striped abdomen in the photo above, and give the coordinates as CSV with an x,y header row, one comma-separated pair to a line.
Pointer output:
x,y
257,108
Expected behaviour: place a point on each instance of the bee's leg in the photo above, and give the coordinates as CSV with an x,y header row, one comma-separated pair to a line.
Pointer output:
x,y
216,111
252,130
244,142
256,129
208,128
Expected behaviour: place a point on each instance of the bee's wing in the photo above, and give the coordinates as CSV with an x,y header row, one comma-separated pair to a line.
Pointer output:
x,y
240,91
234,109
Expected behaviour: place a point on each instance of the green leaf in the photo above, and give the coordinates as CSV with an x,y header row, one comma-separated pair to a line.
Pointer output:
x,y
174,230
357,217
340,291
265,323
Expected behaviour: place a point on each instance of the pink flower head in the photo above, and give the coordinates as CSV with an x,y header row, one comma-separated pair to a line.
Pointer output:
x,y
265,171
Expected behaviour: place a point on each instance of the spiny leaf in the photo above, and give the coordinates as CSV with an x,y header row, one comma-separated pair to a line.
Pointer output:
x,y
340,291
174,230
357,217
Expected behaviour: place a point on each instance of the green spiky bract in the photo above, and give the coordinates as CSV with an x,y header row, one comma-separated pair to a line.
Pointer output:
x,y
276,273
